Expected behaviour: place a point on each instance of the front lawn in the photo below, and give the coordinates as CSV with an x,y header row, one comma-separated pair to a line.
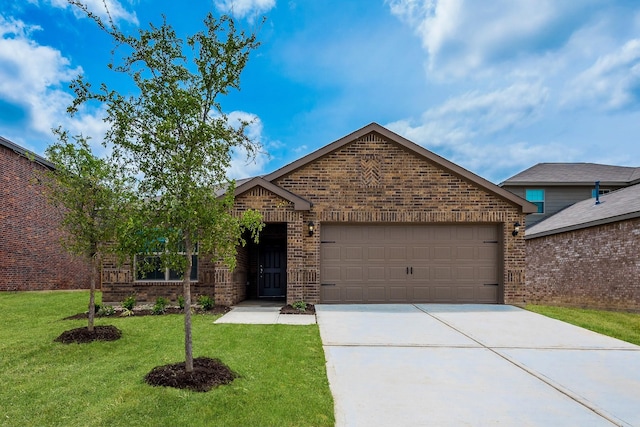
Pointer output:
x,y
624,326
282,373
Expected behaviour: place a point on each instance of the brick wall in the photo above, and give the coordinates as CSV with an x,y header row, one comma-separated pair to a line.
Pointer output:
x,y
370,180
31,255
596,267
373,180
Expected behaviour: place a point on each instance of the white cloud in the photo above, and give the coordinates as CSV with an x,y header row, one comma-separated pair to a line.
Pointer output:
x,y
476,114
243,164
31,76
116,9
463,37
245,8
611,83
467,129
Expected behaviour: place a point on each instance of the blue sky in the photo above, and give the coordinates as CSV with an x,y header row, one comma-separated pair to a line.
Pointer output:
x,y
494,86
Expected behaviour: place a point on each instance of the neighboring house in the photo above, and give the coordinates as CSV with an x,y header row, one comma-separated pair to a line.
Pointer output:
x,y
587,255
554,186
31,254
369,218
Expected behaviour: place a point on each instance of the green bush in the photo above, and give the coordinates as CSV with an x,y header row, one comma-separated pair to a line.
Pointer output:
x,y
129,302
181,302
106,310
206,302
299,305
160,306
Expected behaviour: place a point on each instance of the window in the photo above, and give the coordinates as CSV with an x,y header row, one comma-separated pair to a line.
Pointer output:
x,y
159,274
601,192
537,198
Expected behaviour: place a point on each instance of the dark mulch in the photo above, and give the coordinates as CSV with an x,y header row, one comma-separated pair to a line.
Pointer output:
x,y
207,374
217,309
82,335
288,309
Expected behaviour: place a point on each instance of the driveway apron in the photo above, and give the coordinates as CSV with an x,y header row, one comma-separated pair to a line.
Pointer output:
x,y
474,365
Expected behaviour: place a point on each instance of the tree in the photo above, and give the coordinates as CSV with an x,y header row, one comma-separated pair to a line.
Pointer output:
x,y
93,197
174,132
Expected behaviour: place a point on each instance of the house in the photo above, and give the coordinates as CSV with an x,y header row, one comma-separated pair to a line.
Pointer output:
x,y
31,254
554,186
369,218
587,254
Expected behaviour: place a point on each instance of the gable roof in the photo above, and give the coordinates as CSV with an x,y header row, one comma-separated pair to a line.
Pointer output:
x,y
25,153
575,174
299,203
410,146
616,206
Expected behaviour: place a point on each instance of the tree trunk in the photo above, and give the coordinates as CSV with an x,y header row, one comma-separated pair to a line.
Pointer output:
x,y
92,292
186,290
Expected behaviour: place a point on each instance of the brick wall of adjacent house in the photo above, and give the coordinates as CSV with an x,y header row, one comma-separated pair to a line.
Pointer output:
x,y
596,267
374,181
31,253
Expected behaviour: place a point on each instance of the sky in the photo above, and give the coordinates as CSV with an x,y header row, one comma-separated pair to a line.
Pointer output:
x,y
494,86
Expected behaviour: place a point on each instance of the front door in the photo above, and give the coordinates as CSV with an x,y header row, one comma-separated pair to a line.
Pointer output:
x,y
272,272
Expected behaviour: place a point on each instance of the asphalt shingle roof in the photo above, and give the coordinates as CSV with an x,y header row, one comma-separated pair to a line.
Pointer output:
x,y
615,206
575,173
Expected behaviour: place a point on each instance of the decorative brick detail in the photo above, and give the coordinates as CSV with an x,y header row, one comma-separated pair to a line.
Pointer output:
x,y
31,254
596,267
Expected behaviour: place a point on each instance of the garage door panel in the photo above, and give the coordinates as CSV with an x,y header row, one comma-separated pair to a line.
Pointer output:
x,y
353,294
396,253
421,293
397,294
376,253
396,273
377,294
410,263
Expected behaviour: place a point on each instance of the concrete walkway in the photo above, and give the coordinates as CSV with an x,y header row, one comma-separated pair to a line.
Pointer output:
x,y
264,313
474,365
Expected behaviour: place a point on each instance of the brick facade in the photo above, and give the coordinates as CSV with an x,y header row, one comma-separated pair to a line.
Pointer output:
x,y
31,254
370,179
596,267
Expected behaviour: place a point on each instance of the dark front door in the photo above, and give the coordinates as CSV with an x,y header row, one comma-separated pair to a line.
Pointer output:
x,y
272,272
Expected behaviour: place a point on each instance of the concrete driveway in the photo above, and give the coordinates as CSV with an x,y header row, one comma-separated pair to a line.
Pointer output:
x,y
474,365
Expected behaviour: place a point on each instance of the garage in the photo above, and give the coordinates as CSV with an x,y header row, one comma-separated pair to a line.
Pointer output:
x,y
431,263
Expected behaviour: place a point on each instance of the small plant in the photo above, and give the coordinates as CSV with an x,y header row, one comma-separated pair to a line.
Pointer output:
x,y
181,302
129,302
160,306
106,310
299,305
126,312
206,302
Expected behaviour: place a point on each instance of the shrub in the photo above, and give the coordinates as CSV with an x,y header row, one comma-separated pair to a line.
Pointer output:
x,y
160,306
206,302
129,302
299,305
181,302
106,310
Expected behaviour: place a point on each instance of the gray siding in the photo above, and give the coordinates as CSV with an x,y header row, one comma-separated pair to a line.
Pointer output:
x,y
556,198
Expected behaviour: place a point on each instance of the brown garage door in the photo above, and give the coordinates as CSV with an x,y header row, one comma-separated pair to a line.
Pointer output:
x,y
409,263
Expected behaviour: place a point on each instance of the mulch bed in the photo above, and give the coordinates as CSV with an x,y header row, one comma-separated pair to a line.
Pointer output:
x,y
144,311
288,309
207,374
82,335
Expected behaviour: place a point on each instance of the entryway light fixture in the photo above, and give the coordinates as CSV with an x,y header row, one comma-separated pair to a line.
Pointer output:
x,y
312,228
516,229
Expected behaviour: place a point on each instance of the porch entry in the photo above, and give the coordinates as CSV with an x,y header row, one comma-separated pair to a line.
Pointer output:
x,y
272,262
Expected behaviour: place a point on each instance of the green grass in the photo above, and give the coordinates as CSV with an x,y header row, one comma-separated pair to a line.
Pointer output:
x,y
282,380
621,325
